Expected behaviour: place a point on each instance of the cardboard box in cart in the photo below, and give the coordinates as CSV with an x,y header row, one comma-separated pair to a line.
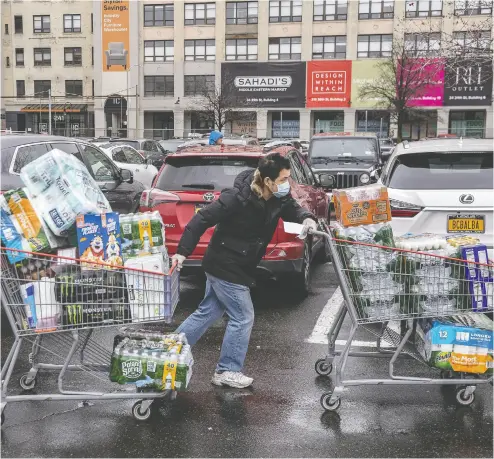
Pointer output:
x,y
364,205
149,295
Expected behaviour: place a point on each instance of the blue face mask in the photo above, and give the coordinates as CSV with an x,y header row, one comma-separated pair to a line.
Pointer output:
x,y
283,190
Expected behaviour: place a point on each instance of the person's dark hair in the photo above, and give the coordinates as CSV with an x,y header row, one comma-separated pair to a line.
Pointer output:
x,y
269,166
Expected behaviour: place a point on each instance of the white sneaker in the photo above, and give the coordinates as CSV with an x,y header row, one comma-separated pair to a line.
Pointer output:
x,y
232,378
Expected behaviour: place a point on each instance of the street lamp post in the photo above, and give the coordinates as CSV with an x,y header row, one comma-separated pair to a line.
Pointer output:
x,y
128,104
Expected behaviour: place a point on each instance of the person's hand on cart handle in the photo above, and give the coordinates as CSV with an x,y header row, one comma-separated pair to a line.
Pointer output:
x,y
178,260
309,226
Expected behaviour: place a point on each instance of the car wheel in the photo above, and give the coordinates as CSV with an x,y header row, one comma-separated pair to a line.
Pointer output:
x,y
301,282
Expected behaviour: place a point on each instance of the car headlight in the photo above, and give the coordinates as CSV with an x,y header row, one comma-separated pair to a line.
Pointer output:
x,y
365,178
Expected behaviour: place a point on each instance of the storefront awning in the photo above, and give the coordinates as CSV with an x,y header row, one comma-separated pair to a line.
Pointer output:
x,y
55,108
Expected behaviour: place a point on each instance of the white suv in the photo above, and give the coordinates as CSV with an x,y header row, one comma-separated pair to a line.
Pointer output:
x,y
442,186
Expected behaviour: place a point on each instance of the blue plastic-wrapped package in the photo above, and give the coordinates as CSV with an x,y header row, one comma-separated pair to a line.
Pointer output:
x,y
61,188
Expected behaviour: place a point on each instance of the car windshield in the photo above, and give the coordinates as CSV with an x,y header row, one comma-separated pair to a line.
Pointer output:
x,y
442,171
132,143
170,146
338,148
211,173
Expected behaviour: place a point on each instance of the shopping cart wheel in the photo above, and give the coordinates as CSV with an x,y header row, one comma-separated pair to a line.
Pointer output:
x,y
325,402
25,384
462,399
323,367
139,414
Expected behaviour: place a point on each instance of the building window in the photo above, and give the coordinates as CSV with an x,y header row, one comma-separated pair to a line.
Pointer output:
x,y
423,8
92,88
423,44
41,24
73,56
330,10
42,56
71,23
20,88
18,27
472,42
376,9
42,87
73,88
6,29
197,85
200,50
472,7
374,45
158,15
19,57
200,13
241,12
158,85
241,49
285,11
329,47
7,61
92,55
158,51
92,23
287,49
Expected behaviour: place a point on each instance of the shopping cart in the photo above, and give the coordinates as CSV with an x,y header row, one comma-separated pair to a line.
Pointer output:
x,y
383,290
69,311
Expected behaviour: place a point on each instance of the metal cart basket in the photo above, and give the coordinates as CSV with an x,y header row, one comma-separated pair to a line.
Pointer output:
x,y
69,311
388,292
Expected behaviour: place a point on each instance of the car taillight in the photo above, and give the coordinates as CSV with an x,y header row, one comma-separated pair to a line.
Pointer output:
x,y
403,209
151,198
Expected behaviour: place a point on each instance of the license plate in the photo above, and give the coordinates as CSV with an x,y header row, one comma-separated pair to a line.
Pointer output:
x,y
199,207
466,224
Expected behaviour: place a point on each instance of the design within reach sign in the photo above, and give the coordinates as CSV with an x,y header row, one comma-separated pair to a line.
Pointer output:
x,y
329,83
265,84
468,83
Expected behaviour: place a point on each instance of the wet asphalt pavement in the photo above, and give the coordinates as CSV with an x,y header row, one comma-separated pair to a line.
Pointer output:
x,y
280,417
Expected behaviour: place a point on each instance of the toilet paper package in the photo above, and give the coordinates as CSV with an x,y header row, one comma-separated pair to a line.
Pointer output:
x,y
461,343
61,188
22,228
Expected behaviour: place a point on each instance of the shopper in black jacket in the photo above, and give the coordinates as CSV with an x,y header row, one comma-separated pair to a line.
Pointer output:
x,y
246,217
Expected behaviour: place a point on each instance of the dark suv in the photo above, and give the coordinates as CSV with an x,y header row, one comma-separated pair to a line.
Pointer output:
x,y
117,184
352,160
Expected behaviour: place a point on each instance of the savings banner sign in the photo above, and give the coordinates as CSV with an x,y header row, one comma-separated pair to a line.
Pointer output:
x,y
329,83
264,84
468,82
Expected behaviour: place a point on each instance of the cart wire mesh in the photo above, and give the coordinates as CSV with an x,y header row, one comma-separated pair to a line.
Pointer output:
x,y
387,283
47,293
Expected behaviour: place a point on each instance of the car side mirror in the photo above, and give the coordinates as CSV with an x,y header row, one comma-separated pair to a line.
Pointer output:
x,y
127,176
375,174
326,180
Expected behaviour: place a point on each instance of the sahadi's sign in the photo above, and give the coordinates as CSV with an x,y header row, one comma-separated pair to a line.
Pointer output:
x,y
115,35
264,84
365,72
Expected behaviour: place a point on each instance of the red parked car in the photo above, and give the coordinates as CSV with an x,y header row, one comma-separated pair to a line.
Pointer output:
x,y
193,178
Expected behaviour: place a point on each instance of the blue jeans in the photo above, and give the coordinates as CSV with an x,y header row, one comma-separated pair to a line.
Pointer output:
x,y
234,299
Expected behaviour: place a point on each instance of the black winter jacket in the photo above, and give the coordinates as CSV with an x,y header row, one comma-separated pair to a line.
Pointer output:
x,y
245,225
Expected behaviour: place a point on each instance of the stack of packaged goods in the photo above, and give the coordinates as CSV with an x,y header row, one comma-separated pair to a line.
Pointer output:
x,y
152,361
437,285
21,228
362,215
36,219
61,188
144,249
461,343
